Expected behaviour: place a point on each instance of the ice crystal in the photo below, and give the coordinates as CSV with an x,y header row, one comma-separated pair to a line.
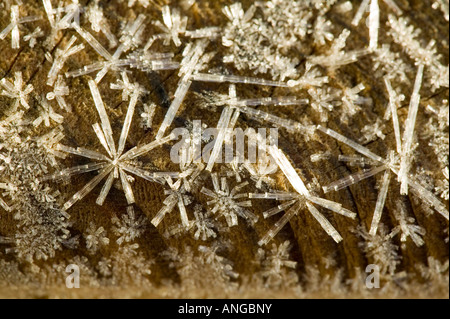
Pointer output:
x,y
43,225
381,249
407,228
176,196
32,37
128,88
406,36
143,3
260,171
323,100
116,163
16,91
49,142
13,27
294,201
389,64
229,203
286,64
398,164
202,226
47,114
194,60
59,91
322,31
436,270
336,56
444,6
174,27
200,268
352,102
147,115
234,106
100,23
95,238
131,37
436,132
373,131
127,266
61,56
129,227
61,18
277,267
245,36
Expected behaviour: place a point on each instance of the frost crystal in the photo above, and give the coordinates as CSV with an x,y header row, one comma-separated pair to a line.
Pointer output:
x,y
381,250
277,267
391,163
407,228
37,33
260,171
131,37
61,18
147,115
244,36
227,203
444,6
336,57
374,24
234,106
288,65
60,58
194,60
176,196
389,64
59,91
297,200
175,26
16,91
128,89
47,114
202,226
129,227
95,238
406,35
99,22
143,3
13,27
116,163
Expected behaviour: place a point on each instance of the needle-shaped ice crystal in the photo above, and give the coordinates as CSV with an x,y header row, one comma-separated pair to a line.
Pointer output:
x,y
232,109
295,201
174,27
46,114
176,196
131,37
194,60
13,27
128,88
61,18
16,91
117,163
100,23
59,91
32,37
336,57
229,203
61,57
397,163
